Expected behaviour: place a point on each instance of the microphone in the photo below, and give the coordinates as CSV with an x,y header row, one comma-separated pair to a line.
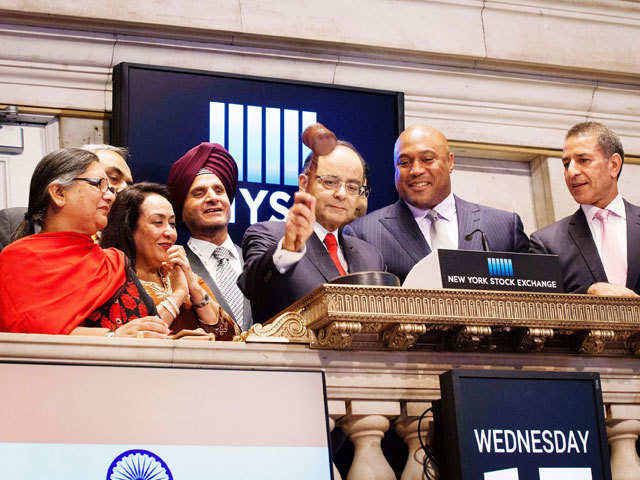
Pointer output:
x,y
485,243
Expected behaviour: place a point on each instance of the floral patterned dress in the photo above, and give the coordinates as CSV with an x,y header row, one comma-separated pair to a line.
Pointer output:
x,y
131,301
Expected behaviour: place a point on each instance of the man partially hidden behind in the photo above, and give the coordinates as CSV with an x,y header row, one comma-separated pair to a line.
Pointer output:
x,y
203,184
599,245
286,260
428,216
114,160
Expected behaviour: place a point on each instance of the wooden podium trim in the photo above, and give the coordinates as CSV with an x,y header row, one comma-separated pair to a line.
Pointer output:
x,y
333,314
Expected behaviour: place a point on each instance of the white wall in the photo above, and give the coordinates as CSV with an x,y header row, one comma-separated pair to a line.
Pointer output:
x,y
504,73
493,183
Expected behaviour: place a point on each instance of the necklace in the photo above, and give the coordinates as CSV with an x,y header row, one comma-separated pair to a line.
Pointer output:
x,y
162,289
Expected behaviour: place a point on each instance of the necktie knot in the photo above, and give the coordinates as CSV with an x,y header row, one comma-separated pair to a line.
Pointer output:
x,y
330,241
432,215
602,216
221,253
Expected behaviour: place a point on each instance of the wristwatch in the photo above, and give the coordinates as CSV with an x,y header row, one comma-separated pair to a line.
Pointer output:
x,y
206,299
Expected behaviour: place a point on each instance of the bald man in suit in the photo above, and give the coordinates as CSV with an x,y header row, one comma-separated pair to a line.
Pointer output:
x,y
406,230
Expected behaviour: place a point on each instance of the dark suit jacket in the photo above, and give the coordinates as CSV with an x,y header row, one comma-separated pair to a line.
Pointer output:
x,y
394,231
10,219
199,269
570,239
270,291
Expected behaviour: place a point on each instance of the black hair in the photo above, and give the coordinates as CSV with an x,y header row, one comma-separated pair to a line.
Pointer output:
x,y
124,214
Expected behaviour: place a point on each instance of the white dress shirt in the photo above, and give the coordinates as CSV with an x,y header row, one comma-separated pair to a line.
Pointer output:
x,y
204,250
285,259
448,219
617,223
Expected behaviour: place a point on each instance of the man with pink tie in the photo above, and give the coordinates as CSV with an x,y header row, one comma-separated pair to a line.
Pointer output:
x,y
599,245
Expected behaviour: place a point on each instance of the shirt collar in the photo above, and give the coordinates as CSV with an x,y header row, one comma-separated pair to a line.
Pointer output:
x,y
321,232
445,209
207,248
616,206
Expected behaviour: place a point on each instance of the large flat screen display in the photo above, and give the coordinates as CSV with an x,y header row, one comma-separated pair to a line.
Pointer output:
x,y
496,425
160,113
78,422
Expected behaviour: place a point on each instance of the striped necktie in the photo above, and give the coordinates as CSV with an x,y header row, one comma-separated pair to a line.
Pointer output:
x,y
436,239
226,278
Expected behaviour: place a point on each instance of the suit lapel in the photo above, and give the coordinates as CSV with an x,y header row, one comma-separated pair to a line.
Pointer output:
x,y
319,257
199,269
581,236
468,220
633,244
350,255
403,227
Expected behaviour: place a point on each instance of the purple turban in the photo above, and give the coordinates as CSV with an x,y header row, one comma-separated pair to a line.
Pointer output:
x,y
206,156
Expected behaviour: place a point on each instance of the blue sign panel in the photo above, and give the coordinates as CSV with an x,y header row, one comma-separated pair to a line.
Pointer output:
x,y
160,113
521,426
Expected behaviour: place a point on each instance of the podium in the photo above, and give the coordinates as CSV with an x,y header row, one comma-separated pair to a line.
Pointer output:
x,y
382,372
395,318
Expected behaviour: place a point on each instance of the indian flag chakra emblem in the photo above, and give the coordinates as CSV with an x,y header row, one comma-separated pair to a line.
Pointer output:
x,y
138,465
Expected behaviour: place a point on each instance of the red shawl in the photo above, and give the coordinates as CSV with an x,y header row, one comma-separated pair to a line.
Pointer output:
x,y
51,282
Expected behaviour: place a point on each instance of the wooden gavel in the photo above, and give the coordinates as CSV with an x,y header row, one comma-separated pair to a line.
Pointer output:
x,y
319,139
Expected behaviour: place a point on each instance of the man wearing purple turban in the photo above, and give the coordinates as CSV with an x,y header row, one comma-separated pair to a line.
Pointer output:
x,y
203,184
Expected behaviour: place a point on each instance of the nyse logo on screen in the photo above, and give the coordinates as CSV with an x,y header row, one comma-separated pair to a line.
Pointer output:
x,y
500,267
265,143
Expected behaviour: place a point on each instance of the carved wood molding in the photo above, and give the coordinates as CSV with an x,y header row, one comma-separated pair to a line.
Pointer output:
x,y
334,314
287,328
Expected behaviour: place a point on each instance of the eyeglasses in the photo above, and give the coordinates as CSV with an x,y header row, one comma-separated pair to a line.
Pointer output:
x,y
354,189
101,183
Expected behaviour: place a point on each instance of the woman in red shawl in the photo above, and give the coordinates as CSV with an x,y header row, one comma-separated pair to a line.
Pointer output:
x,y
55,279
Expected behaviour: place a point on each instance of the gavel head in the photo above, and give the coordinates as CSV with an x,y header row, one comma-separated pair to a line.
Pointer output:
x,y
319,139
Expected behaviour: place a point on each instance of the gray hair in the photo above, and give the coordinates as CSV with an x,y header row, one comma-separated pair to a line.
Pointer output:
x,y
59,167
95,148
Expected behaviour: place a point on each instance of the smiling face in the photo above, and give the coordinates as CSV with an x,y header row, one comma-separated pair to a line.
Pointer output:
x,y
85,207
206,208
334,208
423,164
155,231
590,176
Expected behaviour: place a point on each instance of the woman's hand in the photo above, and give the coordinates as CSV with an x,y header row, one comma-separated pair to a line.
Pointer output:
x,y
144,327
177,260
179,285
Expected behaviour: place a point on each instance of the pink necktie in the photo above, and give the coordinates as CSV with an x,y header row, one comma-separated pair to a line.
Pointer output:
x,y
614,266
332,245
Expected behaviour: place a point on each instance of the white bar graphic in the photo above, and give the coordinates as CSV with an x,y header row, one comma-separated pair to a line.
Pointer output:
x,y
507,474
291,147
254,144
308,119
236,136
217,123
246,133
272,145
565,474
